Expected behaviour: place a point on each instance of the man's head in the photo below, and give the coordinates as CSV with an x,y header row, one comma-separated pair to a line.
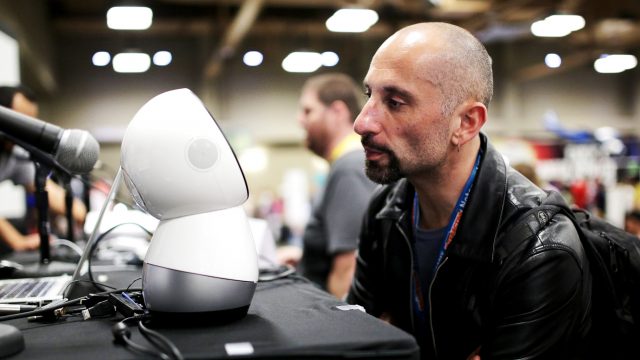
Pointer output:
x,y
20,99
329,104
429,86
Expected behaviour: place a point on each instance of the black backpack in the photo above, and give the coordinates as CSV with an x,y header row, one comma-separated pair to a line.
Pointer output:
x,y
614,258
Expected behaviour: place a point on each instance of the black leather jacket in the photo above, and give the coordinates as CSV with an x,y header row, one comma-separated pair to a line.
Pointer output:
x,y
531,303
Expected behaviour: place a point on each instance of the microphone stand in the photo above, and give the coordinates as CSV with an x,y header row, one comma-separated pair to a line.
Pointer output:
x,y
42,205
46,266
68,205
86,194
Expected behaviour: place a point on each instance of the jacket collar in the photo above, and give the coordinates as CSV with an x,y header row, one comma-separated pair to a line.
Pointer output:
x,y
478,228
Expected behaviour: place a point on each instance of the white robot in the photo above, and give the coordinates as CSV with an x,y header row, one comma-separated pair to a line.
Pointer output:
x,y
180,168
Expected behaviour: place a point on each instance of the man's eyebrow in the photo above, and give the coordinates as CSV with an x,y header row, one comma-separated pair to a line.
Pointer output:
x,y
394,90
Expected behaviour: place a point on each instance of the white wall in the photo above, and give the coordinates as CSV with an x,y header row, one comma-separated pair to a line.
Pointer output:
x,y
9,60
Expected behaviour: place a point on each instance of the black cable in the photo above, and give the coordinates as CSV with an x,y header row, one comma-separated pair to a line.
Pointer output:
x,y
102,309
144,349
41,311
95,245
55,305
133,282
122,335
160,341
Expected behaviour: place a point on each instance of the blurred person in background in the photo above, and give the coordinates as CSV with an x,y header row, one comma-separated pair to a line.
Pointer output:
x,y
21,171
329,104
632,222
529,171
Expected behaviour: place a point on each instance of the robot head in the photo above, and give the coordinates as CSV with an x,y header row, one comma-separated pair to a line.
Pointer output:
x,y
176,160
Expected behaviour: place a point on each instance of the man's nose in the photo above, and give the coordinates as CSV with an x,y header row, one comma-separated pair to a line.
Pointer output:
x,y
366,122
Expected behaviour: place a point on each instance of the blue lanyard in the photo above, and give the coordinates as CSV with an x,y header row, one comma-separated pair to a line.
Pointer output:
x,y
450,232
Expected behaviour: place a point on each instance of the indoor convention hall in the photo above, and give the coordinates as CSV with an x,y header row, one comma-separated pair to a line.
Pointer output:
x,y
320,179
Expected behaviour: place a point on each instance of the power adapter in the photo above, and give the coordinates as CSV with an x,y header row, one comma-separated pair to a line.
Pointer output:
x,y
125,305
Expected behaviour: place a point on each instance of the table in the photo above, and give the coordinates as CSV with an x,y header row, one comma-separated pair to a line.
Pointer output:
x,y
288,318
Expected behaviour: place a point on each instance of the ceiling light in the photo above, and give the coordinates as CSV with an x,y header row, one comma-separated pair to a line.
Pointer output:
x,y
162,58
329,58
252,58
129,18
571,22
544,29
352,20
553,60
131,62
101,58
557,25
613,64
302,62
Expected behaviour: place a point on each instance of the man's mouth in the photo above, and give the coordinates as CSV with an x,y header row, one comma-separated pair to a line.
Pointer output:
x,y
373,154
372,151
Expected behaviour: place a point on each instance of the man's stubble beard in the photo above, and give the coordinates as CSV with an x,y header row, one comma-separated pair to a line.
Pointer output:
x,y
384,174
378,173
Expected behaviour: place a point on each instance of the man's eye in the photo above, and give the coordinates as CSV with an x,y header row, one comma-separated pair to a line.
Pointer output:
x,y
393,103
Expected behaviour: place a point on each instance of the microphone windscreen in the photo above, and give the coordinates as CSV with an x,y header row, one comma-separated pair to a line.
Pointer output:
x,y
77,151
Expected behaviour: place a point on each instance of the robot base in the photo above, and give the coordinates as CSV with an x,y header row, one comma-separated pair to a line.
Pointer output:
x,y
170,292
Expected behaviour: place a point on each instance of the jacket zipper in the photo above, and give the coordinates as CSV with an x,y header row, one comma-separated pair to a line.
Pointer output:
x,y
433,334
406,239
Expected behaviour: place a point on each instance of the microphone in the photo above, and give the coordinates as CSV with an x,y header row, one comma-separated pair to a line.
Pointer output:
x,y
72,149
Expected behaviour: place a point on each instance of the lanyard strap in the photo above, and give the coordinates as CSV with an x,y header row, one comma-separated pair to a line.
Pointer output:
x,y
456,215
450,232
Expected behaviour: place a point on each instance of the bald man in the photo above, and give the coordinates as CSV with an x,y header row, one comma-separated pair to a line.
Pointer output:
x,y
22,172
436,257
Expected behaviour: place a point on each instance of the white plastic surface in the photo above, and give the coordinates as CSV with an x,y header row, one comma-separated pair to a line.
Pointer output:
x,y
216,244
176,160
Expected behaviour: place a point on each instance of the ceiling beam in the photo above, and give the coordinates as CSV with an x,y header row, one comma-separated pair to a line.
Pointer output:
x,y
271,3
236,32
569,62
160,27
206,27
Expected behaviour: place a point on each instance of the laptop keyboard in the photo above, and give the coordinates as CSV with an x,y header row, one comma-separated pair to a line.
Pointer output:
x,y
23,289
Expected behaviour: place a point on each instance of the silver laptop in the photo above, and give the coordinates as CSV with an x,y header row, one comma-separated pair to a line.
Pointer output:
x,y
42,290
33,290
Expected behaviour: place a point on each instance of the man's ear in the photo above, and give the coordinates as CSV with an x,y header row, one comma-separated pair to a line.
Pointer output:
x,y
472,119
